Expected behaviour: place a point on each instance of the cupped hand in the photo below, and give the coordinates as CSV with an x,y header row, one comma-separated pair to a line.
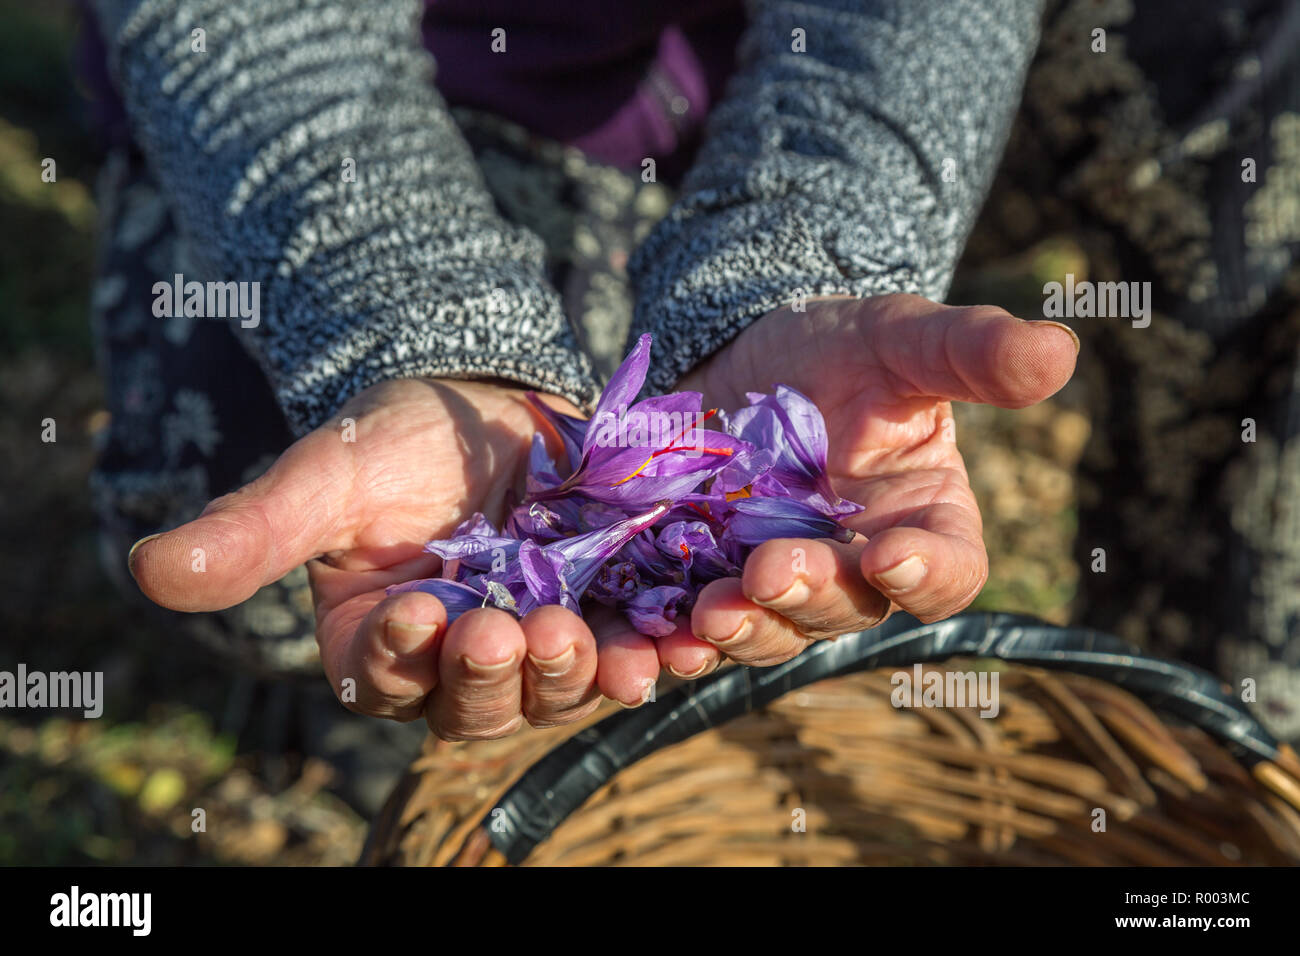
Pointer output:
x,y
883,371
403,463
407,461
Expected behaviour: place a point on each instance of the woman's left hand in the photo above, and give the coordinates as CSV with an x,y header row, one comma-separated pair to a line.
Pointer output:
x,y
883,371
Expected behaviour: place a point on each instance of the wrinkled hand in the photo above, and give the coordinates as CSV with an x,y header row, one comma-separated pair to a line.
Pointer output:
x,y
425,455
883,372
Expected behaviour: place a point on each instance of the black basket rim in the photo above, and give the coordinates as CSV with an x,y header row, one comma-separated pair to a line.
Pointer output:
x,y
561,781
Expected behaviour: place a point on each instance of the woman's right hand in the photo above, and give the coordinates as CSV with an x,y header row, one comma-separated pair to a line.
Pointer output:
x,y
356,501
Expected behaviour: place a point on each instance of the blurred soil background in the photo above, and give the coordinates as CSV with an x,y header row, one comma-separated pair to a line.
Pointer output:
x,y
178,732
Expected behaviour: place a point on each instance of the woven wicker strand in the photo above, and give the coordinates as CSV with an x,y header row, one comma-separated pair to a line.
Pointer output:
x,y
834,774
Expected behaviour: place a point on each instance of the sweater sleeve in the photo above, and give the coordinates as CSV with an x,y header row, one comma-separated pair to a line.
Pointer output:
x,y
304,147
850,155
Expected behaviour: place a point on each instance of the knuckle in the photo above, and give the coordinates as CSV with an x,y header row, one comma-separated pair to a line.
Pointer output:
x,y
541,717
467,732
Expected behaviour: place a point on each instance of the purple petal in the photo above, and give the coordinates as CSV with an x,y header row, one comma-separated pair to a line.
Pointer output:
x,y
656,449
475,524
793,427
804,426
755,520
626,381
572,431
615,581
551,519
589,551
744,469
480,552
654,611
456,598
692,543
543,572
650,424
632,478
576,561
595,515
542,475
651,565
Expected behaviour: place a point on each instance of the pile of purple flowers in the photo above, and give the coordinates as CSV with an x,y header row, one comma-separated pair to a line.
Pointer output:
x,y
647,505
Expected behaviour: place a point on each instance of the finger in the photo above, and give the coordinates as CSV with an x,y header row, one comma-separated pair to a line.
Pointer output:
x,y
479,677
627,661
931,569
901,497
968,354
560,669
332,584
742,630
380,654
250,538
684,655
816,585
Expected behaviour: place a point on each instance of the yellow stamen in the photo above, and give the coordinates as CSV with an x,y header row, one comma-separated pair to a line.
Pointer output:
x,y
635,473
664,451
742,493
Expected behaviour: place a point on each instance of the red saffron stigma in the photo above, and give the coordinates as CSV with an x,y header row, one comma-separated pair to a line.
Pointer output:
x,y
726,452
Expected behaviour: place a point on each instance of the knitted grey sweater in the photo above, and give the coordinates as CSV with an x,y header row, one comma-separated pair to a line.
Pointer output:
x,y
854,166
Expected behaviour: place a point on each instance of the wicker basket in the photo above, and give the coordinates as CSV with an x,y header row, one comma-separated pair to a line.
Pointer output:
x,y
811,763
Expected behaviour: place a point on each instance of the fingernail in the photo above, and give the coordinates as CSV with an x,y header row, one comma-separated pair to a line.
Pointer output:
x,y
646,693
556,666
1061,325
407,640
906,574
487,670
795,595
698,672
739,634
130,554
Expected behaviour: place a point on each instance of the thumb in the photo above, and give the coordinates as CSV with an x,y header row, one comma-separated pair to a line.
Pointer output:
x,y
968,353
252,537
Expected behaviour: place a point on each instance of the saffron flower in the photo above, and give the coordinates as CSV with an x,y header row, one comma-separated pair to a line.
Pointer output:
x,y
645,505
791,427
